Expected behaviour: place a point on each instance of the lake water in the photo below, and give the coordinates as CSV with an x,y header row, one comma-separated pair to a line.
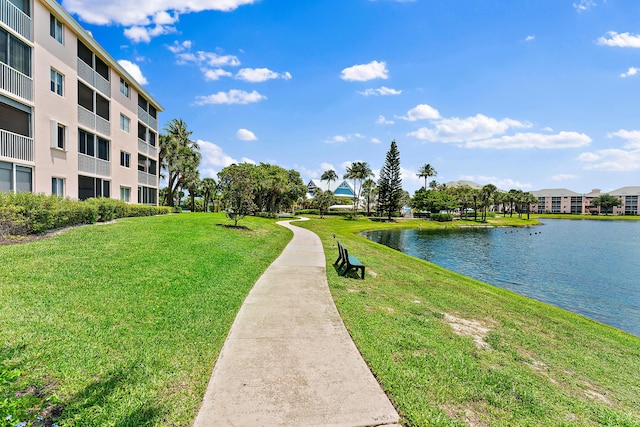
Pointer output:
x,y
588,267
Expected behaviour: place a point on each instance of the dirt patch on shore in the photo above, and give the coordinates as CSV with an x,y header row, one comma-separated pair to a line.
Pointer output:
x,y
471,328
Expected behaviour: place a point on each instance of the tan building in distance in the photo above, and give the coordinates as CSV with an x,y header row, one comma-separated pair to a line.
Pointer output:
x,y
561,200
73,122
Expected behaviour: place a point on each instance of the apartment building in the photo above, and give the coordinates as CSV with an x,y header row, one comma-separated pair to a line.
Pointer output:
x,y
561,200
73,122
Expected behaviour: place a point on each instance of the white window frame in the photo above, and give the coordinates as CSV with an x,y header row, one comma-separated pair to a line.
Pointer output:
x,y
125,88
59,131
59,186
125,194
57,30
57,82
125,123
125,159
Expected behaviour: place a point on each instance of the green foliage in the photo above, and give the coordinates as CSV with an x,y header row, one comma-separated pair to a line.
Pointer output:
x,y
390,183
606,202
28,213
441,217
323,200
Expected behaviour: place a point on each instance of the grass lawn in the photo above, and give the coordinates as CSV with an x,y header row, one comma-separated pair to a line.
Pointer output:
x,y
120,324
514,362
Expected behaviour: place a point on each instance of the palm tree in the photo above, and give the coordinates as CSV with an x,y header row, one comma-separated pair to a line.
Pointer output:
x,y
208,188
178,156
358,171
329,175
487,194
369,188
426,172
529,199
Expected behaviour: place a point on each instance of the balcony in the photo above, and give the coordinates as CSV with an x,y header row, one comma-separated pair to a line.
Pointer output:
x,y
147,119
93,121
89,75
16,19
15,146
147,149
93,165
147,179
13,81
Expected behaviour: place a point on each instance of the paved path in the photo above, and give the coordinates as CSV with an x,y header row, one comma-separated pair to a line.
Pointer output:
x,y
288,359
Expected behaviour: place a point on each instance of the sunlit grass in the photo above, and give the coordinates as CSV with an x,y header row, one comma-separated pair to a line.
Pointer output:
x,y
120,324
535,365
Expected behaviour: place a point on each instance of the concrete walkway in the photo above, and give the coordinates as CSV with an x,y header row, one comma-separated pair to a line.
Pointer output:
x,y
288,359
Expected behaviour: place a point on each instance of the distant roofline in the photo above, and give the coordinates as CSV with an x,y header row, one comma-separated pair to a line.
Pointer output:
x,y
86,38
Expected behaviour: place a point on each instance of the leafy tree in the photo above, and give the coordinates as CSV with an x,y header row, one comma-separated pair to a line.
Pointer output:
x,y
464,197
605,202
329,176
237,186
390,182
433,201
426,171
358,171
322,200
179,157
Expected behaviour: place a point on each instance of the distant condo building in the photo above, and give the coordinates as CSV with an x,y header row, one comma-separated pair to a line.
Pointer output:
x,y
561,200
73,122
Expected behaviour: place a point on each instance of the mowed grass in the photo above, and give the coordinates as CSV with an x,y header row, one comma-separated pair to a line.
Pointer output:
x,y
120,324
532,364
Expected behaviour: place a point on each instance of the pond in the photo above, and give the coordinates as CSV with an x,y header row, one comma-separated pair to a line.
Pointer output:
x,y
589,267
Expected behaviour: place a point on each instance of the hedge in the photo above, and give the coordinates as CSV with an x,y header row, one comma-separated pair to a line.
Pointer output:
x,y
28,213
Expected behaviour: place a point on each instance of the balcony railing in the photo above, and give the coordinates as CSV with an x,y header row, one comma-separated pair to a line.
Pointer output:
x,y
89,75
147,119
15,146
13,81
93,165
147,149
147,179
92,121
16,19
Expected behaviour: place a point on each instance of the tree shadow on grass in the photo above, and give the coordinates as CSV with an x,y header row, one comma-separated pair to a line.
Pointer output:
x,y
236,227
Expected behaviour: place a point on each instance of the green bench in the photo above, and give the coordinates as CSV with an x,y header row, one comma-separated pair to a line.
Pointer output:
x,y
349,262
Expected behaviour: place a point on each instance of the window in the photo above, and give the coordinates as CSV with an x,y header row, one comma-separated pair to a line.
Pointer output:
x,y
146,135
57,187
125,123
147,195
144,105
23,5
55,28
87,56
124,88
146,164
14,120
91,101
59,136
125,194
125,159
90,144
93,187
21,174
14,53
57,82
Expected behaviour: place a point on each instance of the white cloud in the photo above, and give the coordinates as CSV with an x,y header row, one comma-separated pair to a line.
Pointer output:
x,y
245,135
421,112
502,183
530,38
234,96
533,140
564,177
213,159
180,47
582,5
614,160
632,137
375,141
382,121
381,91
258,75
632,71
366,72
612,38
214,74
134,70
248,160
465,130
410,177
343,138
151,16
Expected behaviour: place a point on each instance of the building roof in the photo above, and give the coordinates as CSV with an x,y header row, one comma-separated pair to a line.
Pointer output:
x,y
455,184
555,192
626,191
88,39
339,188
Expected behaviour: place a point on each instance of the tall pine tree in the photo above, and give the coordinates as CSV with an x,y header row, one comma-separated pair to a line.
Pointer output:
x,y
390,183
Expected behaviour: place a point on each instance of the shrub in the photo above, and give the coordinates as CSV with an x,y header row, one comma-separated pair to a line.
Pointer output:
x,y
441,217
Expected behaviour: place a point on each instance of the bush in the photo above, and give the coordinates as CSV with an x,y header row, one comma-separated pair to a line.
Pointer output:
x,y
441,217
307,212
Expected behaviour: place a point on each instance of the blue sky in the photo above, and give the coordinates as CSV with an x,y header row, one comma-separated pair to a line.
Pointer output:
x,y
527,94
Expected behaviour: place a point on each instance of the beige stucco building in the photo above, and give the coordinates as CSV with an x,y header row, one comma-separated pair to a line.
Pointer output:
x,y
561,200
73,122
